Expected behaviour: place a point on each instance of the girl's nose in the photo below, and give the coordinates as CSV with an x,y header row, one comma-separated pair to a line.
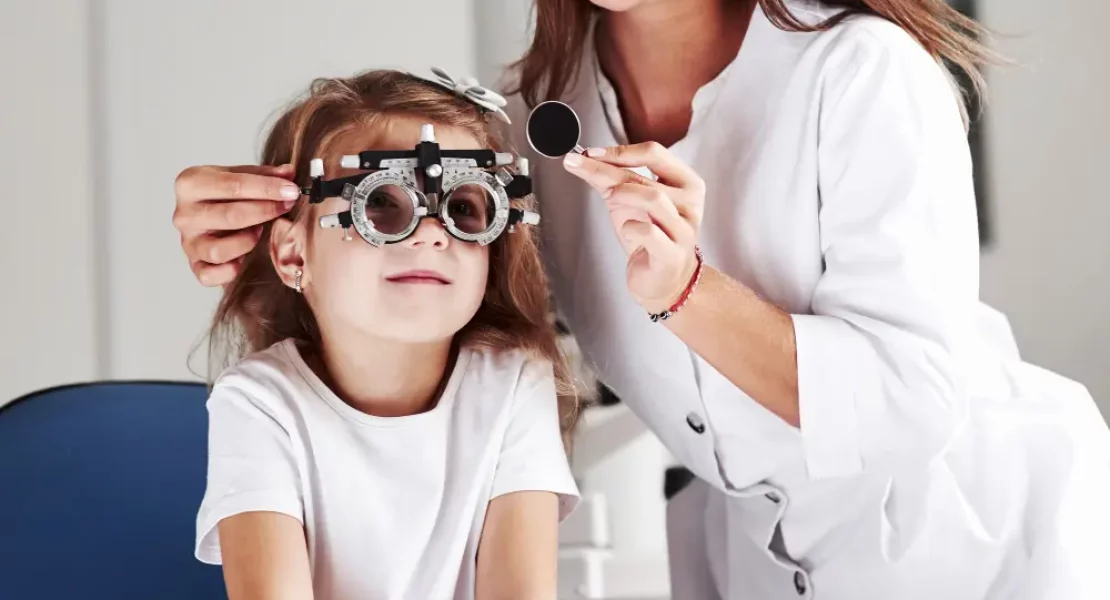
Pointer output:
x,y
429,232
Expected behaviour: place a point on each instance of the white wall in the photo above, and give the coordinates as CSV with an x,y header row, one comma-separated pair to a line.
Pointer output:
x,y
1048,130
131,92
503,33
48,265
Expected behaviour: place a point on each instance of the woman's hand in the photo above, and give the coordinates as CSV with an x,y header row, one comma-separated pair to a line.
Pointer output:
x,y
220,212
747,339
657,221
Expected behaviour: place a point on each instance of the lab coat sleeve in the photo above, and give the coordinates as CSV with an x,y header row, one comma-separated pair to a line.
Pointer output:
x,y
879,371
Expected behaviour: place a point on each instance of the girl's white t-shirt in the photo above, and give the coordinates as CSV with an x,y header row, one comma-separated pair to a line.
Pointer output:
x,y
392,508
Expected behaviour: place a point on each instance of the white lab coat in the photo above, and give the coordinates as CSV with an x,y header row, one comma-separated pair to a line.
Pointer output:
x,y
931,462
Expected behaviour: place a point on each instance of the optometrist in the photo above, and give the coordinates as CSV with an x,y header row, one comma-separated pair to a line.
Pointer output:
x,y
791,305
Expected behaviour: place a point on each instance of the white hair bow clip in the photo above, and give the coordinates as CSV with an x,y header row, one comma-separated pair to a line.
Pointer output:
x,y
469,89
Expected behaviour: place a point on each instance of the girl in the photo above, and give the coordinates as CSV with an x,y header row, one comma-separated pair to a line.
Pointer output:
x,y
394,431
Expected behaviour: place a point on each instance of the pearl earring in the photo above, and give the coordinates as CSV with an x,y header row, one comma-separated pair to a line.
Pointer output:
x,y
297,281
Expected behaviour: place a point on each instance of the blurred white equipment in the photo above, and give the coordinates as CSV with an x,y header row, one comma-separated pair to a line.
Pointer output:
x,y
613,546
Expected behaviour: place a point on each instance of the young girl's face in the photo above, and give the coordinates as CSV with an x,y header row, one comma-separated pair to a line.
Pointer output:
x,y
422,289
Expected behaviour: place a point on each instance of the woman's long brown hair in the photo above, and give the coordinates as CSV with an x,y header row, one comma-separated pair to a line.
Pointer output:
x,y
258,309
551,63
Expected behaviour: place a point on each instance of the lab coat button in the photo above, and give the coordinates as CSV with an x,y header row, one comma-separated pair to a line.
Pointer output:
x,y
695,423
800,582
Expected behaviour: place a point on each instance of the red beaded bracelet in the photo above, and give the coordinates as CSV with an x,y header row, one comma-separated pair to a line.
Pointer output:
x,y
663,316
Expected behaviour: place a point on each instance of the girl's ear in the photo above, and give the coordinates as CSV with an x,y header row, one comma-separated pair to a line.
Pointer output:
x,y
287,244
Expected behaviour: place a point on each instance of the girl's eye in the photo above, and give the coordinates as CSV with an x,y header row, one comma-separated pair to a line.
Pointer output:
x,y
463,208
386,197
470,208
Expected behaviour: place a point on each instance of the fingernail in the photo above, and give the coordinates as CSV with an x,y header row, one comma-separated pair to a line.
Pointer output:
x,y
572,160
289,204
608,192
595,151
290,192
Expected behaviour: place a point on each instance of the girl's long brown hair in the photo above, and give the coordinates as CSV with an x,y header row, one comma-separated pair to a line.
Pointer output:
x,y
551,63
258,309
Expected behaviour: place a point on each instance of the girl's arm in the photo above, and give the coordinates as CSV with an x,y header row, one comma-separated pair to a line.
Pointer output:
x,y
265,557
533,490
250,518
518,552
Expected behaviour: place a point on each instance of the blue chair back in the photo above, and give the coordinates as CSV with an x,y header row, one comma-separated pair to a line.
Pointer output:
x,y
99,489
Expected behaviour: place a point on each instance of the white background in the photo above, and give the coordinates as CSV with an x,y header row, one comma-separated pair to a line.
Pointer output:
x,y
104,102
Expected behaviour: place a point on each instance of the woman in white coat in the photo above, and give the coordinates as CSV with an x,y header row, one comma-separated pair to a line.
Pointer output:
x,y
792,305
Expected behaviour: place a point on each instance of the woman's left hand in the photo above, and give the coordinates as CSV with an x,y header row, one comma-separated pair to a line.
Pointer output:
x,y
656,221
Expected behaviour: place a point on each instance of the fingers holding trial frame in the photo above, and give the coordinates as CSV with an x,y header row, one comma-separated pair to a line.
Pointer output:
x,y
220,212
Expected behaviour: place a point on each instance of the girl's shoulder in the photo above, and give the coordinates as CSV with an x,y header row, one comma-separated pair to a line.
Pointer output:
x,y
505,379
517,366
270,379
276,362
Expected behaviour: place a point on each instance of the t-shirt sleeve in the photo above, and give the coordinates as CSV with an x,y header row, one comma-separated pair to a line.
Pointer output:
x,y
532,455
250,467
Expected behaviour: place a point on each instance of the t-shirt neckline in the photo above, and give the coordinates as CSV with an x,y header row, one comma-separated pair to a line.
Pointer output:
x,y
350,413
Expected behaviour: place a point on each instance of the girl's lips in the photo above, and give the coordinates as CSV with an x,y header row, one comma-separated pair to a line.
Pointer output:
x,y
420,276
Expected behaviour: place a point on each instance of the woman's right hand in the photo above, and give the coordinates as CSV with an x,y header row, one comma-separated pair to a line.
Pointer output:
x,y
220,212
